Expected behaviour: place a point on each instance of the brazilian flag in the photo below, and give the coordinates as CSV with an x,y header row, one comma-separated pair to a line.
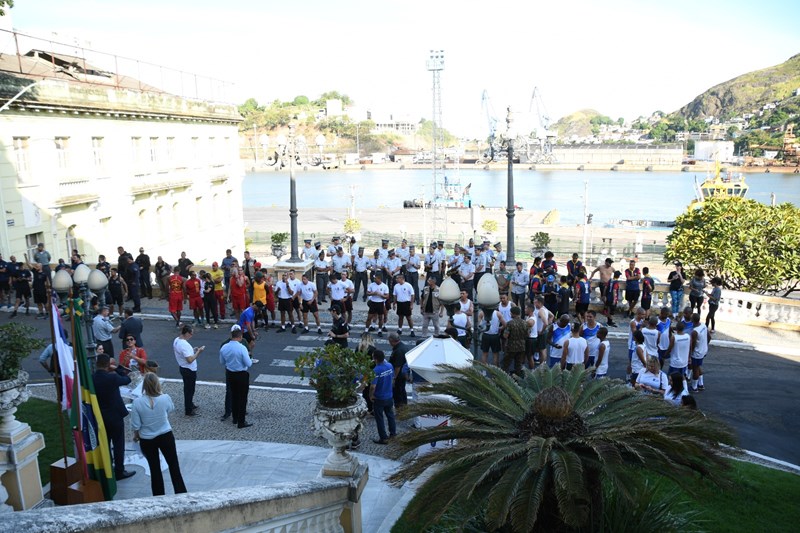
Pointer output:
x,y
86,420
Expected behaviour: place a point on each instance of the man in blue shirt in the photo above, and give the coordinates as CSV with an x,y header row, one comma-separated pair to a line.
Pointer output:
x,y
237,363
247,323
380,392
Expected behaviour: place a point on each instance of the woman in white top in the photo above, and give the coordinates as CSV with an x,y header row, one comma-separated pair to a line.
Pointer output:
x,y
638,359
652,380
150,423
576,350
677,389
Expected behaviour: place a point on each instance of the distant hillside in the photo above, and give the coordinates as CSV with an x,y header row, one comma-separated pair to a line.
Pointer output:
x,y
578,123
746,93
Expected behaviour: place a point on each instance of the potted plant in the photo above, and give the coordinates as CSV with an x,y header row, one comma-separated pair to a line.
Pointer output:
x,y
16,343
336,374
278,244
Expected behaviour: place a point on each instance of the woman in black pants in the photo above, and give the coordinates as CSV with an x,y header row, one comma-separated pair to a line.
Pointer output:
x,y
151,429
713,302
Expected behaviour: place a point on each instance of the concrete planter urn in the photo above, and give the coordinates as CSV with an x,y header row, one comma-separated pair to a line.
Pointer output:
x,y
13,393
278,250
339,425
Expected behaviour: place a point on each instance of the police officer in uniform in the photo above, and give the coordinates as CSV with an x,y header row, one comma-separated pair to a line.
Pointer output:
x,y
321,270
412,271
360,277
433,264
309,253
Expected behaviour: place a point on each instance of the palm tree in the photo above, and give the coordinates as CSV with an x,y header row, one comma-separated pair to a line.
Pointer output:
x,y
537,451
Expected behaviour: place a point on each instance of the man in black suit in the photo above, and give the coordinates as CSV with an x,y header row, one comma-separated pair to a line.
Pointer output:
x,y
106,384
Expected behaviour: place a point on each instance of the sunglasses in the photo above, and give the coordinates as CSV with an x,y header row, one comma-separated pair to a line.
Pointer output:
x,y
130,339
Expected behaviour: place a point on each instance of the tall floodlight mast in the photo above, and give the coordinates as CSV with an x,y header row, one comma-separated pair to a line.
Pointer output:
x,y
435,65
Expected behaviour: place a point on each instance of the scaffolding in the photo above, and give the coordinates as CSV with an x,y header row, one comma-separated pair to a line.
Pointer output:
x,y
435,65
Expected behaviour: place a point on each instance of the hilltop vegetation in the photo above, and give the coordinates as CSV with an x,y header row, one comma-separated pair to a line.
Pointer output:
x,y
746,93
583,123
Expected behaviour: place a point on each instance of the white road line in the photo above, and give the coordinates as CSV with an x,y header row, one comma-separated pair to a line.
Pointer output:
x,y
302,349
281,380
288,363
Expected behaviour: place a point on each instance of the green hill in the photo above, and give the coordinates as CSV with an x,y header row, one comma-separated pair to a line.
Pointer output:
x,y
578,123
746,93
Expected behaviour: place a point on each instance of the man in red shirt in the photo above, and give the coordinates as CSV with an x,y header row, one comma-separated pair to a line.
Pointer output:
x,y
177,295
195,295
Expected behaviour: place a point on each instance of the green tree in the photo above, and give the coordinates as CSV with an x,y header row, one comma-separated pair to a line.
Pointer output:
x,y
536,452
750,245
489,226
620,121
4,4
333,95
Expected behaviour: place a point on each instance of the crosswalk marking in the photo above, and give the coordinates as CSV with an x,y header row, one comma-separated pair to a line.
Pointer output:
x,y
297,349
281,380
289,363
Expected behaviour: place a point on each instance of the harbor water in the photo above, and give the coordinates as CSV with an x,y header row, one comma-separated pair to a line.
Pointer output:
x,y
612,195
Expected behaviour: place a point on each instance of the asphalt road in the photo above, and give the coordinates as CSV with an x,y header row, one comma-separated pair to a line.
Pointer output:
x,y
752,391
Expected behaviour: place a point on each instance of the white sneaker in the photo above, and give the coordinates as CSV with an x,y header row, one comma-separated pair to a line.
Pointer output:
x,y
255,361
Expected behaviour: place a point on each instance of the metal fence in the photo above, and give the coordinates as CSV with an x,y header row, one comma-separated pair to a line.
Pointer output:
x,y
618,249
78,62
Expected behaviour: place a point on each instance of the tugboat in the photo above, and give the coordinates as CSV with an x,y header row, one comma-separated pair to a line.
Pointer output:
x,y
719,185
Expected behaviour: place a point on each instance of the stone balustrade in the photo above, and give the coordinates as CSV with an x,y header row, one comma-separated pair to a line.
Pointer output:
x,y
734,306
323,505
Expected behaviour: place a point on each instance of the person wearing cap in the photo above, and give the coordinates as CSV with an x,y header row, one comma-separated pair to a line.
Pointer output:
x,y
466,272
143,261
632,290
294,283
361,274
237,362
333,246
102,328
550,293
433,263
391,268
470,248
321,276
383,251
442,260
308,295
676,280
454,262
481,264
412,271
375,265
107,382
606,271
354,248
308,253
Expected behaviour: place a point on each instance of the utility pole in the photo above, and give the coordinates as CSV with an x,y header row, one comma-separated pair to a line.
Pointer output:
x,y
585,218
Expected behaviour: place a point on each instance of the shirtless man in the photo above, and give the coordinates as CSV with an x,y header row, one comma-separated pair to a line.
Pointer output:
x,y
606,272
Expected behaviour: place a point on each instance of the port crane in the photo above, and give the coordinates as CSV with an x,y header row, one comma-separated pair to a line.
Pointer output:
x,y
542,151
495,150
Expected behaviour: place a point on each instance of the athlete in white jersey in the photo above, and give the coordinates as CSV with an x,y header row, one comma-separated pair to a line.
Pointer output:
x,y
679,357
589,331
700,339
603,354
651,334
576,350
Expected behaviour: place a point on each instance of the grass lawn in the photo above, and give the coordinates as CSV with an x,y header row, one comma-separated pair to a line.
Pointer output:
x,y
42,415
761,499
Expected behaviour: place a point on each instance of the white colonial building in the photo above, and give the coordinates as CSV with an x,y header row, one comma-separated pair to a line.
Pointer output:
x,y
92,160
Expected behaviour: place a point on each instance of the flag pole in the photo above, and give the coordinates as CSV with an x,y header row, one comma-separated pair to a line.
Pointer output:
x,y
57,375
77,389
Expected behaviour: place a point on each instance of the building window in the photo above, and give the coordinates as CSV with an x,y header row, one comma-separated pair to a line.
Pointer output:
x,y
136,152
22,158
154,150
97,152
62,148
31,242
71,240
171,151
196,151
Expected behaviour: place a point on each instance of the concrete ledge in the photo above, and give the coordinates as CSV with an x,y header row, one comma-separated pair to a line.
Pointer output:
x,y
196,512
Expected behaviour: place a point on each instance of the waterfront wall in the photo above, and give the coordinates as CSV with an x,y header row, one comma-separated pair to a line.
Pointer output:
x,y
607,155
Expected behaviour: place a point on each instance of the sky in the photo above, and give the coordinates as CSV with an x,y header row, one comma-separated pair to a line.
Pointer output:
x,y
624,58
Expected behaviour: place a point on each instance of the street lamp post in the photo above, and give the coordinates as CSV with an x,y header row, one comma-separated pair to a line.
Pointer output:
x,y
509,140
87,280
294,257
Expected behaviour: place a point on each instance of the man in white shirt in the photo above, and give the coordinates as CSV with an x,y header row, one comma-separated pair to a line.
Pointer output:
x,y
412,271
321,275
354,248
402,254
479,261
391,267
285,294
466,272
348,298
360,278
375,265
294,284
333,246
377,293
433,263
383,251
340,261
309,253
337,291
470,248
403,303
308,294
499,254
442,260
186,356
